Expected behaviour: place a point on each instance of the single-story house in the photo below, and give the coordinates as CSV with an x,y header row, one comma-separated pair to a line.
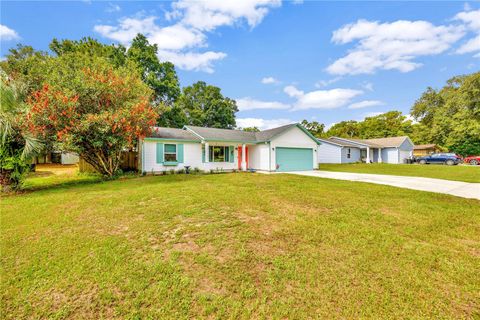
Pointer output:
x,y
421,150
342,150
287,148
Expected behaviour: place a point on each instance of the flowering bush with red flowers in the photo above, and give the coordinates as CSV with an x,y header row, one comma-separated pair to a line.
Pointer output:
x,y
92,109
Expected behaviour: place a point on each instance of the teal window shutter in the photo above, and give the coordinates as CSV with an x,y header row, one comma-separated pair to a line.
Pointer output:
x,y
180,153
159,152
203,153
226,151
232,154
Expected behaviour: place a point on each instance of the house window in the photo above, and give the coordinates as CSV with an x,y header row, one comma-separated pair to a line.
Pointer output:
x,y
349,154
170,153
219,153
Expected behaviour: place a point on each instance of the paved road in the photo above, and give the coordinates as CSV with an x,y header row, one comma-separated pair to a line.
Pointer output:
x,y
455,188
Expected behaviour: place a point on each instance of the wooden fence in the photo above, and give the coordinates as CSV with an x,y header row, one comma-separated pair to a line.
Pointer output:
x,y
129,162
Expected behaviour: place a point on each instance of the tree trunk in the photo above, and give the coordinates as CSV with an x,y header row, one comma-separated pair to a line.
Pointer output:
x,y
106,163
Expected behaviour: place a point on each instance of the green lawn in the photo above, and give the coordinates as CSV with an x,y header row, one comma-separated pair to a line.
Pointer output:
x,y
237,246
457,173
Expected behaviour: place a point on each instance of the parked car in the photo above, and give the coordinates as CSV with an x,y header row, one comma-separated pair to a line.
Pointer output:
x,y
473,160
441,158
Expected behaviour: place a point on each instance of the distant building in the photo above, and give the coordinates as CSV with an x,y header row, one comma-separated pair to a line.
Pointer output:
x,y
420,150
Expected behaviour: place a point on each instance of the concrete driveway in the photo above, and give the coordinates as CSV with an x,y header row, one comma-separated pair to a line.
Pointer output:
x,y
454,188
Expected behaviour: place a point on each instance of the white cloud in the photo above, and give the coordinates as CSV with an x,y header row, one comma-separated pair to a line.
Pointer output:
x,y
207,15
390,45
113,7
470,18
252,104
192,60
292,91
321,99
325,83
7,34
270,80
181,41
365,104
472,21
472,45
367,86
262,124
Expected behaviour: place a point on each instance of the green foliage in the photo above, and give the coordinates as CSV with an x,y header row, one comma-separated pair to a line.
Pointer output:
x,y
27,67
172,117
388,124
92,108
205,106
452,114
116,54
161,77
344,129
17,146
251,129
314,127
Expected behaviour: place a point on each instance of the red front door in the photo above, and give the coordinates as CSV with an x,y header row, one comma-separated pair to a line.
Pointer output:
x,y
240,157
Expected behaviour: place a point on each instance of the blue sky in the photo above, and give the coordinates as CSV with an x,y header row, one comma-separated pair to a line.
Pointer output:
x,y
281,61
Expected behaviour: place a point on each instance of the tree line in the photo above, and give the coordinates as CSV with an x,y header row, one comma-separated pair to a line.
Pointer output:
x,y
448,117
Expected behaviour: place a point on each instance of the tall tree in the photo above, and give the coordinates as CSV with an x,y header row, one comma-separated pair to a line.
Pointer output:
x,y
388,124
204,105
344,129
452,114
314,127
161,77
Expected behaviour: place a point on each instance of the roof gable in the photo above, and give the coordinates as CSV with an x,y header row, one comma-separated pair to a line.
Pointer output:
x,y
196,133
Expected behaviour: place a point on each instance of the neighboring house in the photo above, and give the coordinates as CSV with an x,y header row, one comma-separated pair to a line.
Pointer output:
x,y
421,150
388,150
286,148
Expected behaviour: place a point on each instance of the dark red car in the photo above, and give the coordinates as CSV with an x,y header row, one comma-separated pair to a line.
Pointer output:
x,y
473,160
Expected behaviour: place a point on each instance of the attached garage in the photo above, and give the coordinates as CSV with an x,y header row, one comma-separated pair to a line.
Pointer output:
x,y
294,159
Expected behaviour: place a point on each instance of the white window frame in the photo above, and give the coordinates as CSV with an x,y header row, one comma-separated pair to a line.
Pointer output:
x,y
165,152
211,156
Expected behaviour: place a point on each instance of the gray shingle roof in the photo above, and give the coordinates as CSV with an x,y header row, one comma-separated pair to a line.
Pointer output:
x,y
388,142
340,142
172,133
214,134
266,135
223,134
374,143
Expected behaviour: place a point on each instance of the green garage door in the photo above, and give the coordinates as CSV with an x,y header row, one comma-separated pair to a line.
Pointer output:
x,y
294,159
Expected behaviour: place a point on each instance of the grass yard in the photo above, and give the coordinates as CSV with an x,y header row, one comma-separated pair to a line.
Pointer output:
x,y
457,173
236,246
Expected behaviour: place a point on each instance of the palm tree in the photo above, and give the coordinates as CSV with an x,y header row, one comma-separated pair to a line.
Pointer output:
x,y
17,146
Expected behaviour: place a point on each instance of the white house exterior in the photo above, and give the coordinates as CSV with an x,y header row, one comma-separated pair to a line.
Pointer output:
x,y
388,150
286,148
